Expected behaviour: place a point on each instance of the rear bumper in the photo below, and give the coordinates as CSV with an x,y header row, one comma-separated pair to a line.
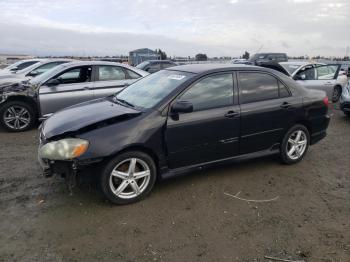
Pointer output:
x,y
316,137
319,127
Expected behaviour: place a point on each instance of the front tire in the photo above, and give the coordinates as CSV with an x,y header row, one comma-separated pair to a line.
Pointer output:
x,y
17,116
128,177
295,144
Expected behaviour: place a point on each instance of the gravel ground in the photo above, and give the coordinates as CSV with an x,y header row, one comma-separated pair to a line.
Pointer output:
x,y
188,218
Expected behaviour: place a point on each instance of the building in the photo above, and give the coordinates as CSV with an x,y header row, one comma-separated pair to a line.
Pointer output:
x,y
139,55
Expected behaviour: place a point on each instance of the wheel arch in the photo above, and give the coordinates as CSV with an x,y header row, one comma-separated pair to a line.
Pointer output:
x,y
25,99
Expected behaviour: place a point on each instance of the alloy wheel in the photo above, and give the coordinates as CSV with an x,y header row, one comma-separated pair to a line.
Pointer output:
x,y
129,178
296,145
16,117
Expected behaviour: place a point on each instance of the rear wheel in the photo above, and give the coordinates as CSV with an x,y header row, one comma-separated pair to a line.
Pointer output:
x,y
128,178
295,144
17,116
336,94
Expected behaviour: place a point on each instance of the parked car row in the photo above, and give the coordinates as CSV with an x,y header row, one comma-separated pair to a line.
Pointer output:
x,y
314,76
23,100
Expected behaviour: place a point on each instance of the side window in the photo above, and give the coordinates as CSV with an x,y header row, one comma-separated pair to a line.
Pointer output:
x,y
132,74
326,72
306,73
283,90
46,67
256,87
26,64
211,92
75,75
108,73
154,67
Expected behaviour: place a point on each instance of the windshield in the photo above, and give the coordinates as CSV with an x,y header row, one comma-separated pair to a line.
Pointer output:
x,y
291,68
47,74
257,56
150,90
14,65
142,65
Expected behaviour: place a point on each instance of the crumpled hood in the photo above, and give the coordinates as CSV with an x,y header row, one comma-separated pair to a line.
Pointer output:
x,y
13,85
85,115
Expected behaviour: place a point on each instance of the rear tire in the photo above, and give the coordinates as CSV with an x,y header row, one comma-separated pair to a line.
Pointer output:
x,y
17,116
336,94
129,177
295,144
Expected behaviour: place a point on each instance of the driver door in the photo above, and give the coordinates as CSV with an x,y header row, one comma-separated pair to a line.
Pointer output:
x,y
211,131
74,87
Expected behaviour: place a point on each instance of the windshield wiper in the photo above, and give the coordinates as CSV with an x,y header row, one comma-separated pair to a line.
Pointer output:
x,y
122,101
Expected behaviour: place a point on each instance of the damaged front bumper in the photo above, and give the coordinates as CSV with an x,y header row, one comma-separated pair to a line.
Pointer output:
x,y
65,169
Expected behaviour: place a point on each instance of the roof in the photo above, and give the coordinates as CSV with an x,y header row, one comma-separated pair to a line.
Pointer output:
x,y
159,61
297,63
143,50
200,68
87,63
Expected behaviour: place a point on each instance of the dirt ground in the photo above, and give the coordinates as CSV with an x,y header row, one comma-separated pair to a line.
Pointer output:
x,y
188,218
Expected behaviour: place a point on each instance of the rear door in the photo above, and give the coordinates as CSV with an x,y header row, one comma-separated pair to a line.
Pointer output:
x,y
75,87
211,131
110,79
320,77
267,110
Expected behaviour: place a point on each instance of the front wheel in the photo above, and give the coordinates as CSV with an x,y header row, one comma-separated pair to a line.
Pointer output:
x,y
295,144
17,116
128,178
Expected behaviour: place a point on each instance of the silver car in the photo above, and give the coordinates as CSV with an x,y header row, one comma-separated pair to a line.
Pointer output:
x,y
317,76
65,85
17,76
345,100
19,65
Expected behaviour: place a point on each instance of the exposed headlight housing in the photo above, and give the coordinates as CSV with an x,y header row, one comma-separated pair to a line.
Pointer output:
x,y
64,149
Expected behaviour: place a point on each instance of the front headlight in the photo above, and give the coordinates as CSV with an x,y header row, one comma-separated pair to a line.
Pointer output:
x,y
64,149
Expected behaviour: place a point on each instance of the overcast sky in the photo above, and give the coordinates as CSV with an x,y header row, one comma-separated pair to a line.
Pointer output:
x,y
179,27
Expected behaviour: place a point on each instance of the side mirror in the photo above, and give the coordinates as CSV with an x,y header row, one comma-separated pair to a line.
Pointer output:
x,y
14,68
299,77
34,73
53,82
182,107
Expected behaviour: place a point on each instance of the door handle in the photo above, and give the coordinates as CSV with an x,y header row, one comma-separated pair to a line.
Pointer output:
x,y
231,114
86,87
285,105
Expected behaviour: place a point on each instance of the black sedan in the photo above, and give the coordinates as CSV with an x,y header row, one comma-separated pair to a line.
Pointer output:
x,y
181,119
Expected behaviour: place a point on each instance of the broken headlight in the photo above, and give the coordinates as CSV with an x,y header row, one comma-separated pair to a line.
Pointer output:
x,y
65,149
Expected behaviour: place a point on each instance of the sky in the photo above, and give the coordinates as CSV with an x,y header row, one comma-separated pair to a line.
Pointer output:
x,y
178,27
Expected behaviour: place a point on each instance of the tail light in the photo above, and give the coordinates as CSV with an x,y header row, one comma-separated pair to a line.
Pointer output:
x,y
326,101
